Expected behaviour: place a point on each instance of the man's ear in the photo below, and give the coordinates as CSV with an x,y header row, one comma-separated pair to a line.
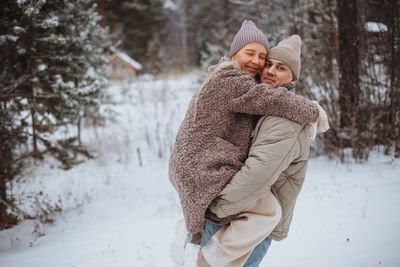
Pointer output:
x,y
293,82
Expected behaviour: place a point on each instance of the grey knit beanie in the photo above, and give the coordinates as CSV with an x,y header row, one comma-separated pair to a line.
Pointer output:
x,y
248,33
288,52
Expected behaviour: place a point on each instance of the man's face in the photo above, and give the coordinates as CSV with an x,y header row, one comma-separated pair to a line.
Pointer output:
x,y
276,73
251,58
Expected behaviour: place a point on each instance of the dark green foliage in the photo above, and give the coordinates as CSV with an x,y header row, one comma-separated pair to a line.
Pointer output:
x,y
54,56
139,25
363,109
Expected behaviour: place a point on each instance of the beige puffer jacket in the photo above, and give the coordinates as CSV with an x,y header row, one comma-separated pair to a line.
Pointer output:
x,y
277,160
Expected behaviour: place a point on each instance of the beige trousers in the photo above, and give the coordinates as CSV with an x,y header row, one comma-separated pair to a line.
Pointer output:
x,y
234,243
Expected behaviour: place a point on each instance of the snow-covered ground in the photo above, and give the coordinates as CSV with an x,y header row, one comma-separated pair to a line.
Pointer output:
x,y
120,209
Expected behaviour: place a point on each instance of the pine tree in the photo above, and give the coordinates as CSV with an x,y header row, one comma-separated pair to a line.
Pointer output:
x,y
215,48
53,74
11,136
215,37
137,24
351,70
220,24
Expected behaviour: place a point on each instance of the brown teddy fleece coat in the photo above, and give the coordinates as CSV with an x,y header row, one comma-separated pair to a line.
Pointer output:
x,y
213,140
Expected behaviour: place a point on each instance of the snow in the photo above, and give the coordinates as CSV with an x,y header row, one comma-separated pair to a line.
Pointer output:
x,y
18,29
50,22
376,27
42,67
168,4
129,60
6,37
121,210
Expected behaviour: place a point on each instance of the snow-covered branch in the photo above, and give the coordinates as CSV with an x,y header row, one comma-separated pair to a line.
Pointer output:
x,y
243,2
7,97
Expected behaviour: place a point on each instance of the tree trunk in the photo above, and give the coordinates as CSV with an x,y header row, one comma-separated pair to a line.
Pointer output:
x,y
394,30
2,170
348,61
79,131
35,150
183,39
3,195
100,9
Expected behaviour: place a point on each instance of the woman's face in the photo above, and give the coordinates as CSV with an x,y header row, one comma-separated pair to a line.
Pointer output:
x,y
251,58
276,73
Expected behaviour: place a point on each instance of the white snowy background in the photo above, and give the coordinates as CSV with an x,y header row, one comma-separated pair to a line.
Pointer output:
x,y
120,209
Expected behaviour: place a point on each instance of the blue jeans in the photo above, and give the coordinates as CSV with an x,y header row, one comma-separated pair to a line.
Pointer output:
x,y
256,256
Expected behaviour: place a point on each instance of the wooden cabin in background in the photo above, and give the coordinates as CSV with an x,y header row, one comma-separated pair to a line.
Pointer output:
x,y
123,67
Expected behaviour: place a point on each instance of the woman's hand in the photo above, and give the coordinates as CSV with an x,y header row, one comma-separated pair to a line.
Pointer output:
x,y
322,124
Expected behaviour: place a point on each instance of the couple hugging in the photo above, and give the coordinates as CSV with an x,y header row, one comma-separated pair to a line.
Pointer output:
x,y
241,152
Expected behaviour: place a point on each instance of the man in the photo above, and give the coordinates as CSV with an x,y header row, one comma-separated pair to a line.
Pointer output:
x,y
276,163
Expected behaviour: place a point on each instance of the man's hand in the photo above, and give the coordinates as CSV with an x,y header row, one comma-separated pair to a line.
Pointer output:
x,y
211,208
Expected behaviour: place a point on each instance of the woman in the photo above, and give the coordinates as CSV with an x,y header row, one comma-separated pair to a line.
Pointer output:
x,y
277,162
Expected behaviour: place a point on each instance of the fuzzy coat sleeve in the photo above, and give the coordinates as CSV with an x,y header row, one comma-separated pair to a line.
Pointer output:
x,y
274,149
262,99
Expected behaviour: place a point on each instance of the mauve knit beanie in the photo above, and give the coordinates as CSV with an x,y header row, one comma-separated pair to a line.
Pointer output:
x,y
248,33
288,52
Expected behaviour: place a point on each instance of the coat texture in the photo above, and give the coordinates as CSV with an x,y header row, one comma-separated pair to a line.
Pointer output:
x,y
277,161
214,137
